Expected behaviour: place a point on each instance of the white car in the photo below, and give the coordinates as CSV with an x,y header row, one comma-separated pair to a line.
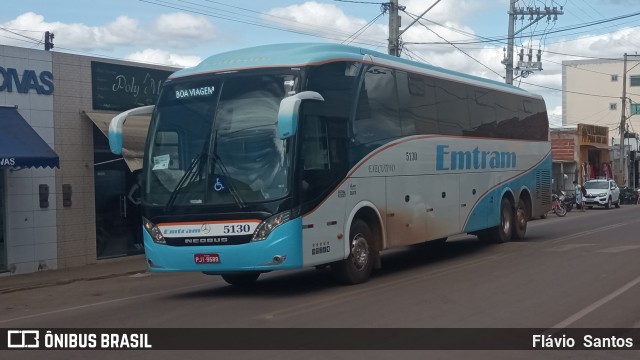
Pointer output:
x,y
602,192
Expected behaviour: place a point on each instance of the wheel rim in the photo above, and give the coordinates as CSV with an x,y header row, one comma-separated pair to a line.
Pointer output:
x,y
521,220
359,252
506,222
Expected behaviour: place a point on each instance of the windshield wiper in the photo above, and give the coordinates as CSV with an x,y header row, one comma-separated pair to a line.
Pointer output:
x,y
232,189
187,178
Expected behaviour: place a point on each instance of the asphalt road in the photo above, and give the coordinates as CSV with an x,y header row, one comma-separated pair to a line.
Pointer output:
x,y
582,271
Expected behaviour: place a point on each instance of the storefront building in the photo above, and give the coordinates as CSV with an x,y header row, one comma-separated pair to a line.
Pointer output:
x,y
580,153
65,200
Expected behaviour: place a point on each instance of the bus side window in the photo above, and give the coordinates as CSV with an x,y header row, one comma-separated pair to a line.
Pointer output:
x,y
452,104
482,111
315,146
324,154
417,101
377,113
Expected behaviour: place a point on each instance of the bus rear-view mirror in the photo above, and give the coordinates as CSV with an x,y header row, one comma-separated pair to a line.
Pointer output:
x,y
289,110
117,123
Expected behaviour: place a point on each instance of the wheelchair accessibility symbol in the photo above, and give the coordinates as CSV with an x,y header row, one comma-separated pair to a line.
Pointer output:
x,y
219,185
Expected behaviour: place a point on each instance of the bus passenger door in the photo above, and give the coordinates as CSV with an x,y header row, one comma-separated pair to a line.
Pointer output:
x,y
443,205
324,193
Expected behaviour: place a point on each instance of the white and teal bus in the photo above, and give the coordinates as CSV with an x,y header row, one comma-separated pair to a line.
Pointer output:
x,y
299,155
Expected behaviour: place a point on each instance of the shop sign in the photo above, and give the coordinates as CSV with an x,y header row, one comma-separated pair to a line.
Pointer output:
x,y
11,80
593,135
121,87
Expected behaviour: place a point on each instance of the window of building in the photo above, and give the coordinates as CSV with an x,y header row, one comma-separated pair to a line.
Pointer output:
x,y
614,77
634,80
613,106
635,109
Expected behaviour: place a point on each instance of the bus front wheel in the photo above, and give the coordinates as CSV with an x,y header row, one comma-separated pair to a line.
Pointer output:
x,y
357,267
502,232
241,278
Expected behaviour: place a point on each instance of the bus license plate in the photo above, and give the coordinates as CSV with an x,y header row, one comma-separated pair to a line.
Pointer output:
x,y
207,258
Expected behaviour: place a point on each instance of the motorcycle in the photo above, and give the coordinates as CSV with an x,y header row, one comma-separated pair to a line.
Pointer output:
x,y
557,205
569,201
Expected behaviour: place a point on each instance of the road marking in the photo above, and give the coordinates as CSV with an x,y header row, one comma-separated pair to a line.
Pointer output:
x,y
139,275
569,247
618,249
102,303
589,232
587,310
351,295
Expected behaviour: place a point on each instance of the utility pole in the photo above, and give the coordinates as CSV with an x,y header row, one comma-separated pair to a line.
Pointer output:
x,y
394,25
508,60
535,15
623,120
48,40
394,29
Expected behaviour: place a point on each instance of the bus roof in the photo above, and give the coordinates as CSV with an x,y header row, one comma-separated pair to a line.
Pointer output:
x,y
301,54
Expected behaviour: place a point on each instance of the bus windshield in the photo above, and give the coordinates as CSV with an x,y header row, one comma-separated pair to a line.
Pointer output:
x,y
214,142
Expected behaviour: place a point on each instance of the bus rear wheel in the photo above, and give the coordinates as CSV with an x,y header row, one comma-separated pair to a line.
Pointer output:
x,y
502,232
241,279
357,267
521,217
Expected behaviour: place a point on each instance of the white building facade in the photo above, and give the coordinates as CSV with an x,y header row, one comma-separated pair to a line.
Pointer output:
x,y
592,94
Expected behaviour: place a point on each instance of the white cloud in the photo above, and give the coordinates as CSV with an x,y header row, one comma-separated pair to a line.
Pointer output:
x,y
555,116
156,56
445,11
124,30
183,30
327,20
175,30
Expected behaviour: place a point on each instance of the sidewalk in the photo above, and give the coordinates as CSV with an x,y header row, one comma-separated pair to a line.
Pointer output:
x,y
103,269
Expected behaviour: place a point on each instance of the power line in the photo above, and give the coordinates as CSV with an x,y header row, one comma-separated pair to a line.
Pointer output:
x,y
489,40
471,57
15,33
362,29
571,92
24,30
578,68
307,32
559,30
358,2
420,58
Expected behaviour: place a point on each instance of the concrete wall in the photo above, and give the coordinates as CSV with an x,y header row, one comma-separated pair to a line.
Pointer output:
x,y
74,144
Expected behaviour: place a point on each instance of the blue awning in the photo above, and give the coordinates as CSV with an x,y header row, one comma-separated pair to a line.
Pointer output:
x,y
20,145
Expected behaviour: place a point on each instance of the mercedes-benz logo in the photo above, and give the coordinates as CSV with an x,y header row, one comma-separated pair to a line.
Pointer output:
x,y
205,229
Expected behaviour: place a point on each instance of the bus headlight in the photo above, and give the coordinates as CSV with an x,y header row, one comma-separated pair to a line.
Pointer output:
x,y
154,231
267,226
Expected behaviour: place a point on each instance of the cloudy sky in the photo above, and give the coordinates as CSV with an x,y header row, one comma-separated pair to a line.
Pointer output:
x,y
183,32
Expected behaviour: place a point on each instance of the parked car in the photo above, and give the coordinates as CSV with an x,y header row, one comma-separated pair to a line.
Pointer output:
x,y
602,192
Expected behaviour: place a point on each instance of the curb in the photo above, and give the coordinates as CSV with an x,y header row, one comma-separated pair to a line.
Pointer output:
x,y
68,281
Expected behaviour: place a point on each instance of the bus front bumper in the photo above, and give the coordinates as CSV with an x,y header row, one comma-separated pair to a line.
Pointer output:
x,y
281,250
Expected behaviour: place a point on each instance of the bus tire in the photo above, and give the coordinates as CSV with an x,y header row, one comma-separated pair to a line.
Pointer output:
x,y
357,267
241,279
520,221
502,232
